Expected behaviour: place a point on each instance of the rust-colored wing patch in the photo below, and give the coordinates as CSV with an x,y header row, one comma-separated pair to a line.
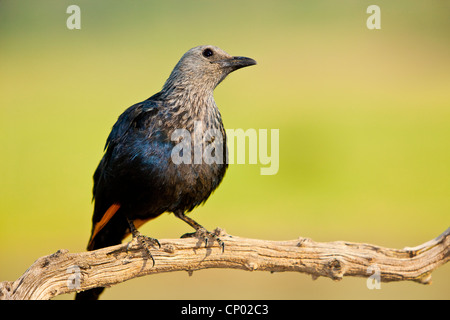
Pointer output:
x,y
104,220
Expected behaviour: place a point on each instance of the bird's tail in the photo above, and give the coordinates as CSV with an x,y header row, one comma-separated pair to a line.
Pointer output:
x,y
109,231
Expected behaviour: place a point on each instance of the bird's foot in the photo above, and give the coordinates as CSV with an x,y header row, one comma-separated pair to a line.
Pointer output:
x,y
144,241
204,235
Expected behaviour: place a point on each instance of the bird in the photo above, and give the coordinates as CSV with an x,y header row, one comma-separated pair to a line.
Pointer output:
x,y
137,178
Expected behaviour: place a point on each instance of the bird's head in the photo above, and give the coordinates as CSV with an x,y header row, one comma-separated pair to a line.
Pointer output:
x,y
205,67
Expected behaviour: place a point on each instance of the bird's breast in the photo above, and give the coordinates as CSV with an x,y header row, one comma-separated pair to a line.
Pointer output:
x,y
180,157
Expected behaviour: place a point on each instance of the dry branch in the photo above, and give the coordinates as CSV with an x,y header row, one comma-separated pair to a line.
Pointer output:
x,y
64,272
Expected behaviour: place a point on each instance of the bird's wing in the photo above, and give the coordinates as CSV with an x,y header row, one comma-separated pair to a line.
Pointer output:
x,y
124,123
128,118
105,206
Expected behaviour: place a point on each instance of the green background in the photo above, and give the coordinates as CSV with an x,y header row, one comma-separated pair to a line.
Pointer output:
x,y
364,120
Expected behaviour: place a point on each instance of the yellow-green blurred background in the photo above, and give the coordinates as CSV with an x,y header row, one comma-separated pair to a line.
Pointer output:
x,y
364,120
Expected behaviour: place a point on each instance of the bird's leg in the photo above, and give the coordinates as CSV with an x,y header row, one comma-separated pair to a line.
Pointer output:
x,y
143,239
200,231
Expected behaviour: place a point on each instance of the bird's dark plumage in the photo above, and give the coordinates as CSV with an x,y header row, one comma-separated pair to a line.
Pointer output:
x,y
137,179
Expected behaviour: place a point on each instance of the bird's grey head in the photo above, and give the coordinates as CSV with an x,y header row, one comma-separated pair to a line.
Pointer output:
x,y
203,68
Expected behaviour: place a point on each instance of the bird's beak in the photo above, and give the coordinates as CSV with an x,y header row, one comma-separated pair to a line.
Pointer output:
x,y
235,63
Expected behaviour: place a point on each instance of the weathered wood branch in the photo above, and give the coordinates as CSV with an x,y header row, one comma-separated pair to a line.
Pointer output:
x,y
64,272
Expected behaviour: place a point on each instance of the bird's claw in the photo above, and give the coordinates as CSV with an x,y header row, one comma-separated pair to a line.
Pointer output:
x,y
151,240
204,235
144,243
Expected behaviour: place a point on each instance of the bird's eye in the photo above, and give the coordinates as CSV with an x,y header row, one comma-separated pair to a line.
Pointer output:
x,y
207,53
